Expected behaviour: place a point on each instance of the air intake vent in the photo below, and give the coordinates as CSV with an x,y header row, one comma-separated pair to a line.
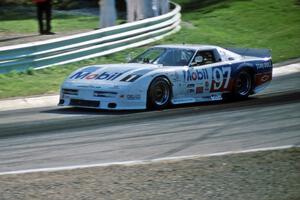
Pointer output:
x,y
105,94
85,103
70,91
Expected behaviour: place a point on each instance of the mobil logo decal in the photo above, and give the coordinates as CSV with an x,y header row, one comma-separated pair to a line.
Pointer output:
x,y
94,76
195,75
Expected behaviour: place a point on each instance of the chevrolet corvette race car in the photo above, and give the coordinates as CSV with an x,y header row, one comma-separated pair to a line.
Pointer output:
x,y
169,74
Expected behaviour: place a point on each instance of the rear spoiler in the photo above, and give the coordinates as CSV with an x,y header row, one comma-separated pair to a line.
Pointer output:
x,y
261,53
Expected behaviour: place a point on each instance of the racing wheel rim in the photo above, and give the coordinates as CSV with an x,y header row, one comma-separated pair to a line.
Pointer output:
x,y
243,84
160,93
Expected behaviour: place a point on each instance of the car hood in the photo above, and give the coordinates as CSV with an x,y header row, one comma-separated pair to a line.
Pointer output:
x,y
109,74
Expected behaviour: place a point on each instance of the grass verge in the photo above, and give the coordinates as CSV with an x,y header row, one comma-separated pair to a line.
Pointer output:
x,y
256,23
261,175
22,19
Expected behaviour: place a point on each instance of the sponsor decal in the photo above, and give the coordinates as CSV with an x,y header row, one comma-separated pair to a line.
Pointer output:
x,y
190,85
262,78
206,86
190,91
195,75
199,90
215,97
93,76
133,96
264,65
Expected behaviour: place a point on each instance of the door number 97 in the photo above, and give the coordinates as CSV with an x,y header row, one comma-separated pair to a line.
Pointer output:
x,y
221,77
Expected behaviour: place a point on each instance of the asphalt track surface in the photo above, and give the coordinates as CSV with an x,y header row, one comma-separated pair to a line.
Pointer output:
x,y
57,137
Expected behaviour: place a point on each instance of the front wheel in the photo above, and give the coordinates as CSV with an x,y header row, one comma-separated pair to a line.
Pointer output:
x,y
243,85
159,93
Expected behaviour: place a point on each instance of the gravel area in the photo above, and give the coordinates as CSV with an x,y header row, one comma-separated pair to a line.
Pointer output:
x,y
268,175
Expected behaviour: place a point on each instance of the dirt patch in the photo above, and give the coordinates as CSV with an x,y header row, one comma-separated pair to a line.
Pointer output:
x,y
263,175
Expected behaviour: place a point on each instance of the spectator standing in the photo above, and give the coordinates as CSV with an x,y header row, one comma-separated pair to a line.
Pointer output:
x,y
132,8
160,7
155,7
139,9
164,6
44,9
108,13
146,9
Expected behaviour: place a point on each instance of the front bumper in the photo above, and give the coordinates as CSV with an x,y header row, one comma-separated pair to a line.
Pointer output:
x,y
107,99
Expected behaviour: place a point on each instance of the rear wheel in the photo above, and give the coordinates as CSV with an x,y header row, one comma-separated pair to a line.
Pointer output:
x,y
243,85
159,93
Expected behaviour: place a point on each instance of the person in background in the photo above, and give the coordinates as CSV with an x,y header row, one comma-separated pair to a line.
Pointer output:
x,y
160,7
139,9
44,10
164,6
132,7
108,14
146,9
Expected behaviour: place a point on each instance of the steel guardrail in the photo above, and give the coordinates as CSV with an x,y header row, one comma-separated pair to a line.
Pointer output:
x,y
87,45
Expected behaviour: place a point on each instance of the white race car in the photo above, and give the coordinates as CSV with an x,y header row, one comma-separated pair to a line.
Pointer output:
x,y
169,74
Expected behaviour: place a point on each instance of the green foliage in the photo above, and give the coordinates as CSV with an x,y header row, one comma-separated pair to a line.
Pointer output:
x,y
30,71
22,19
71,4
256,23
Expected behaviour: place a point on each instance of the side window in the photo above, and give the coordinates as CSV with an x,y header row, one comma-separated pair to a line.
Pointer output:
x,y
184,57
176,57
204,58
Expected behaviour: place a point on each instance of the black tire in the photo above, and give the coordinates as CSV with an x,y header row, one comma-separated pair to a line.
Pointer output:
x,y
159,93
243,85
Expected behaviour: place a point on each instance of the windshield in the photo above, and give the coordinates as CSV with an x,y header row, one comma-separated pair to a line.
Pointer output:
x,y
165,56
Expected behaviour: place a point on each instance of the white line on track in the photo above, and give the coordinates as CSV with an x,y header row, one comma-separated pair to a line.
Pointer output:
x,y
286,70
143,162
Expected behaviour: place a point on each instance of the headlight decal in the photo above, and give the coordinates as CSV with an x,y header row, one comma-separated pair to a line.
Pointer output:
x,y
131,78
